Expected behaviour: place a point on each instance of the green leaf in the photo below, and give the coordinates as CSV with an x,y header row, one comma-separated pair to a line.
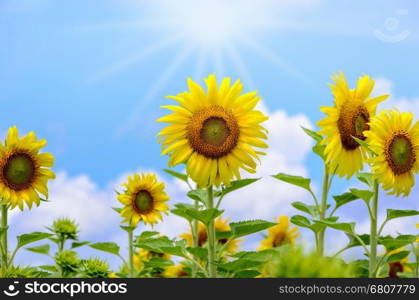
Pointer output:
x,y
364,145
249,260
366,178
147,234
106,247
49,268
391,243
180,210
397,256
317,137
238,184
346,227
319,150
344,198
198,195
199,252
178,175
117,209
158,262
243,228
162,245
205,216
43,249
28,238
303,221
362,194
295,180
354,242
246,274
78,244
308,209
398,213
127,228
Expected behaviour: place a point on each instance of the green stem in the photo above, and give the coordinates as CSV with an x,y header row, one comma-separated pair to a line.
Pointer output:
x,y
195,238
131,253
373,233
322,210
212,273
4,255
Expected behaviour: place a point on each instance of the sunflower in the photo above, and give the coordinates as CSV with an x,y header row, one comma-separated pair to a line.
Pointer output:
x,y
144,199
398,266
143,256
396,144
24,172
348,118
279,235
177,271
214,132
220,226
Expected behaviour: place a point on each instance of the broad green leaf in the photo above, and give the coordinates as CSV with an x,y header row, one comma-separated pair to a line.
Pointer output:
x,y
180,210
117,209
243,228
346,227
308,209
397,256
295,180
250,260
398,213
303,221
223,235
362,194
238,184
158,262
317,137
106,247
366,178
178,175
344,198
147,234
198,195
49,268
79,244
43,249
391,243
28,238
199,252
364,145
319,150
127,228
354,242
246,274
205,216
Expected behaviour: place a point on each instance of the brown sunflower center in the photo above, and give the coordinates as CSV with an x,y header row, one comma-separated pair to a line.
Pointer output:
x,y
19,171
395,267
279,239
213,132
202,238
352,122
399,154
143,202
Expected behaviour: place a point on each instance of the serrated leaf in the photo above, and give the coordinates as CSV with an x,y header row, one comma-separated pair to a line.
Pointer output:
x,y
178,175
106,247
303,221
205,216
346,227
395,257
238,184
362,194
28,238
398,213
344,198
308,209
158,262
79,244
198,195
243,228
295,180
391,243
317,137
43,249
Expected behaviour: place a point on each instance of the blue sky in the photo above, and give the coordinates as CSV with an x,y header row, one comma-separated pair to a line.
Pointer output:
x,y
89,76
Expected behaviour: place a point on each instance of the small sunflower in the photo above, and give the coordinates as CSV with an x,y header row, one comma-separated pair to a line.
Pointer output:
x,y
396,142
177,271
144,199
348,118
280,234
24,172
398,266
220,226
143,256
214,132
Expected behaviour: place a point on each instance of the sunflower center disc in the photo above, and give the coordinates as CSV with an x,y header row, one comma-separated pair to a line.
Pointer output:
x,y
279,239
215,131
352,122
143,201
19,171
400,154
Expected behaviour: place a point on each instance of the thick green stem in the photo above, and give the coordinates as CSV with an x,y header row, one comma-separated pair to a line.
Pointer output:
x,y
373,233
131,253
212,273
4,254
322,211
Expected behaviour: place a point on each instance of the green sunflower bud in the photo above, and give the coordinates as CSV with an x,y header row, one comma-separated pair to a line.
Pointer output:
x,y
65,229
95,268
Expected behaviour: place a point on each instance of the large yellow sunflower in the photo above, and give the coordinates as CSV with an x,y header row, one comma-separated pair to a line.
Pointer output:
x,y
395,140
348,118
24,172
220,226
214,132
280,234
144,199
